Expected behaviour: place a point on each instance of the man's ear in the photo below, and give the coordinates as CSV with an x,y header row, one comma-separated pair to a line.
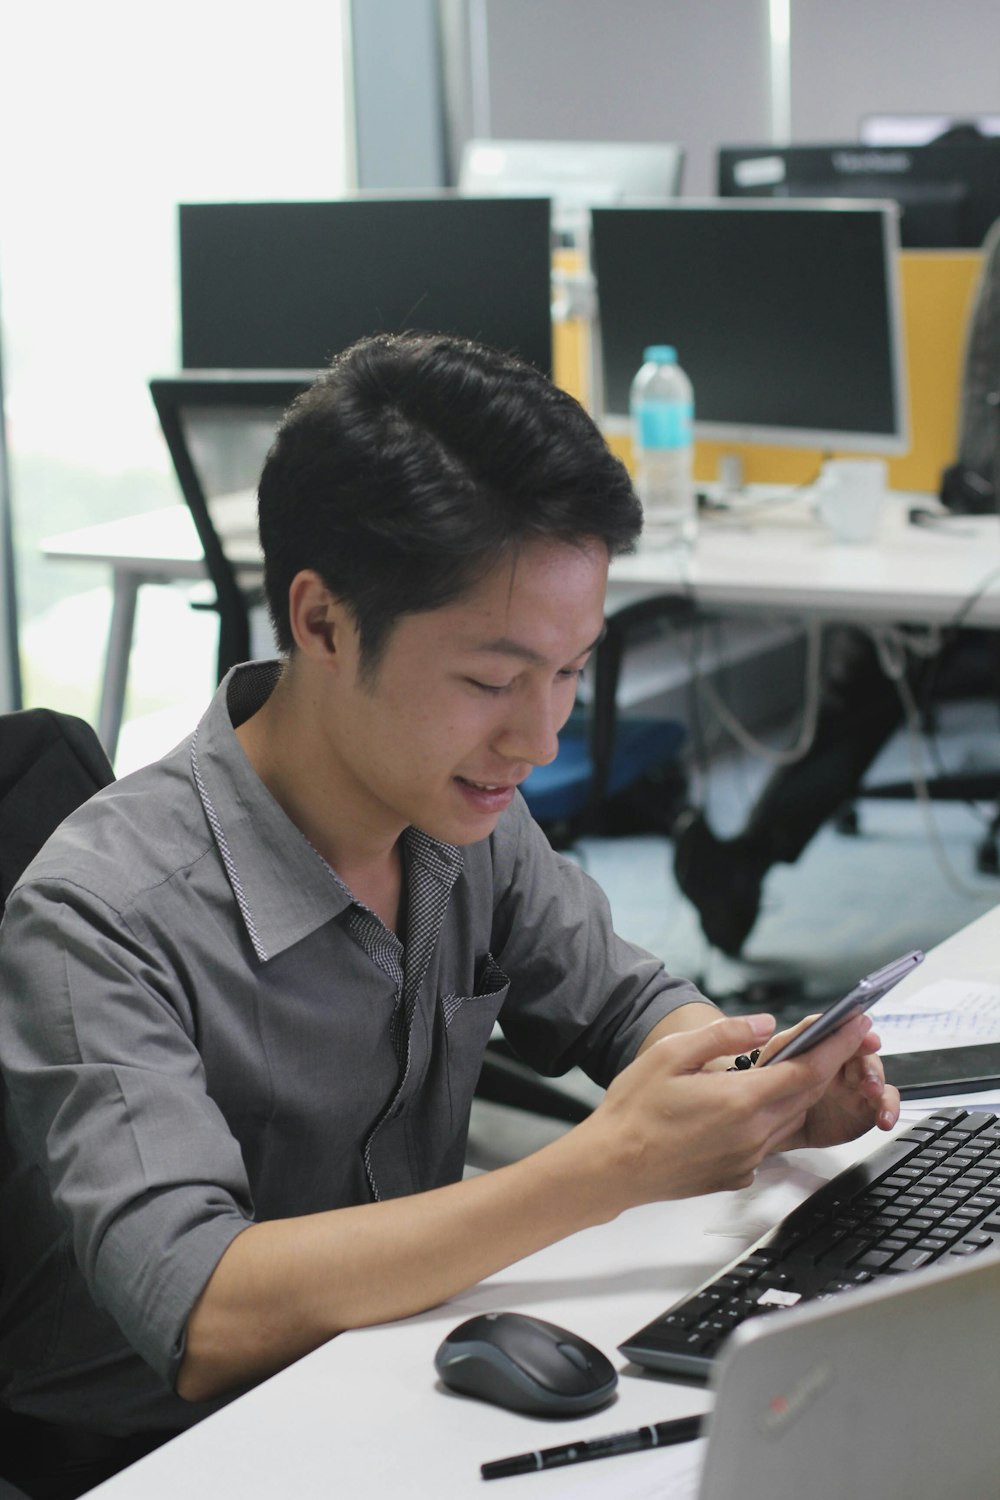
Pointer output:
x,y
318,621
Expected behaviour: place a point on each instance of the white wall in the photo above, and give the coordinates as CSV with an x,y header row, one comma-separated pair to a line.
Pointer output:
x,y
644,70
699,72
10,685
855,57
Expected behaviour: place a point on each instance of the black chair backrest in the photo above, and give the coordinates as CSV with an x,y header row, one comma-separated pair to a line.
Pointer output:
x,y
673,610
218,426
50,763
972,483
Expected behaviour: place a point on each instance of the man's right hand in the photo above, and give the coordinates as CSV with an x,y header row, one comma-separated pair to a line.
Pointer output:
x,y
675,1123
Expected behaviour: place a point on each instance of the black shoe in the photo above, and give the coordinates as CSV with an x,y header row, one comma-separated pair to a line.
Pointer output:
x,y
722,878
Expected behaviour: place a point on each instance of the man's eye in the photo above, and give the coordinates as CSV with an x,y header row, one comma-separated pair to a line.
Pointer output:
x,y
572,672
489,687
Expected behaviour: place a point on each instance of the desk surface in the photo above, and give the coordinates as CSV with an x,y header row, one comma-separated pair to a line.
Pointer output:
x,y
364,1415
778,560
163,541
787,562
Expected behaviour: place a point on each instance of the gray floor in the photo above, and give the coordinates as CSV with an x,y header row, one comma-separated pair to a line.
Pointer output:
x,y
907,880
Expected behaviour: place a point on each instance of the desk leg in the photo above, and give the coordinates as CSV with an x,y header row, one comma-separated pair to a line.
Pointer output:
x,y
126,584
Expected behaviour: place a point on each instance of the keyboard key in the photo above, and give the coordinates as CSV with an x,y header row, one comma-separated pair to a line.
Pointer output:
x,y
973,1123
776,1296
913,1259
984,1202
845,1251
884,1221
875,1260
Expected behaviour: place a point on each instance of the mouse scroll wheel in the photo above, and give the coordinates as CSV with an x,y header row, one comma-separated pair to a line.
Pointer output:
x,y
575,1356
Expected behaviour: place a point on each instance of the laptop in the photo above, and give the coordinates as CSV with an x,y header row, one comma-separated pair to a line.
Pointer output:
x,y
888,1390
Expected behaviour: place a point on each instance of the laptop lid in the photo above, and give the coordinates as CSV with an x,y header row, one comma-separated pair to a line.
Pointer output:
x,y
889,1389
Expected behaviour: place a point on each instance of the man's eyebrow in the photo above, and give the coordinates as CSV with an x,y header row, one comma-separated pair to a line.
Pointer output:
x,y
504,646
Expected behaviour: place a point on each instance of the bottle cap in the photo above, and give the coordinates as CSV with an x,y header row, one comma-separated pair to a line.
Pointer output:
x,y
661,354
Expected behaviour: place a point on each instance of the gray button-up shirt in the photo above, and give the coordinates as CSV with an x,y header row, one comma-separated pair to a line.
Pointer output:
x,y
200,1027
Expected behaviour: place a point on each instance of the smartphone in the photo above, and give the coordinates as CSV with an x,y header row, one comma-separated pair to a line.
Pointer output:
x,y
863,995
944,1070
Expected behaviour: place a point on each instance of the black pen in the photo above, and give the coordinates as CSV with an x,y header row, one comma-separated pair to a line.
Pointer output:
x,y
656,1435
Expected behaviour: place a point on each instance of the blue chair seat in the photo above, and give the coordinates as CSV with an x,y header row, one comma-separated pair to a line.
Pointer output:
x,y
561,792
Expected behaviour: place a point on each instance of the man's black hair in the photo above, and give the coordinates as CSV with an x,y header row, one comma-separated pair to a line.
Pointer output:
x,y
418,461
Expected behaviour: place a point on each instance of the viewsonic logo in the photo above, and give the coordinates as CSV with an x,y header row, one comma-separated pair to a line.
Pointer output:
x,y
891,162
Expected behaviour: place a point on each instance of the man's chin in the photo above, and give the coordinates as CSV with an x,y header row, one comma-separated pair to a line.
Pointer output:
x,y
470,821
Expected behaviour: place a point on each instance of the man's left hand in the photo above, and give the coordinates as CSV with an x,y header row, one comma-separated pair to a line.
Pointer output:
x,y
856,1099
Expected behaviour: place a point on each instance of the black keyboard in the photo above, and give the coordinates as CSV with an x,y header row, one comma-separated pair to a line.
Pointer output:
x,y
928,1195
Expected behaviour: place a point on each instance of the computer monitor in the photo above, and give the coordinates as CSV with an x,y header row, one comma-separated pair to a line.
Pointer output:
x,y
278,286
576,175
949,194
920,129
785,316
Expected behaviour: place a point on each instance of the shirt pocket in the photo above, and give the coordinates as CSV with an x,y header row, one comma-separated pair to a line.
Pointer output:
x,y
468,1024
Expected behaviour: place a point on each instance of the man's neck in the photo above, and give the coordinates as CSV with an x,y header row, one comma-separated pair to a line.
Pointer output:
x,y
285,747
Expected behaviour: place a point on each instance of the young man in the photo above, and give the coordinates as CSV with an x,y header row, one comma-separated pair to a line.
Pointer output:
x,y
247,990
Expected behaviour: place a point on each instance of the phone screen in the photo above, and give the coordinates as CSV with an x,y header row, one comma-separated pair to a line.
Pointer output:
x,y
861,997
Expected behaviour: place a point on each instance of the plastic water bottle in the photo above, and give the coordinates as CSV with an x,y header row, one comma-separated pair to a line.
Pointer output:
x,y
662,411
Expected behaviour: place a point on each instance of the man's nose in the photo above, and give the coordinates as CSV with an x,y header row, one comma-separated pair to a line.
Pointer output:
x,y
532,732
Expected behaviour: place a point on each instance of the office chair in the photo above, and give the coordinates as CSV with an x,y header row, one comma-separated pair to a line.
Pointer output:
x,y
614,773
970,665
50,763
218,426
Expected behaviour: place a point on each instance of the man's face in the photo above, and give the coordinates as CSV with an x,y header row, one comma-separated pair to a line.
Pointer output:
x,y
466,699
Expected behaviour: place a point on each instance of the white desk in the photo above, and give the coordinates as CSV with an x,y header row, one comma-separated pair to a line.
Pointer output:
x,y
364,1415
909,574
768,563
159,546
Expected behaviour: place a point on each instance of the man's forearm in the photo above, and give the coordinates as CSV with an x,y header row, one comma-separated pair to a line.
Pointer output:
x,y
286,1286
690,1017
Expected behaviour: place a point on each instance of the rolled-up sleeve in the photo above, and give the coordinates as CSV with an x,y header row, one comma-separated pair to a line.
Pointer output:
x,y
107,1097
580,995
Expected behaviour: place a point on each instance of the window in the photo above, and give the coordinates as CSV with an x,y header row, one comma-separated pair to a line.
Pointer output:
x,y
111,114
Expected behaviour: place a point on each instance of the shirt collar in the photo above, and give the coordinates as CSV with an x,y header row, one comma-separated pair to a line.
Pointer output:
x,y
283,887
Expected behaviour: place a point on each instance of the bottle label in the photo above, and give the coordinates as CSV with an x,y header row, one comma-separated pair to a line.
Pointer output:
x,y
664,424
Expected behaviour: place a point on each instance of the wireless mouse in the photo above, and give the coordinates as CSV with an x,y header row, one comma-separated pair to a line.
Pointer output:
x,y
525,1364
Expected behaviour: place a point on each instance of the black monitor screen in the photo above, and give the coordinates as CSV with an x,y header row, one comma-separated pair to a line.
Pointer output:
x,y
287,285
783,316
949,194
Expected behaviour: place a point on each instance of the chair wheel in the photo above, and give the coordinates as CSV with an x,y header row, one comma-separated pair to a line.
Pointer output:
x,y
847,822
988,857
